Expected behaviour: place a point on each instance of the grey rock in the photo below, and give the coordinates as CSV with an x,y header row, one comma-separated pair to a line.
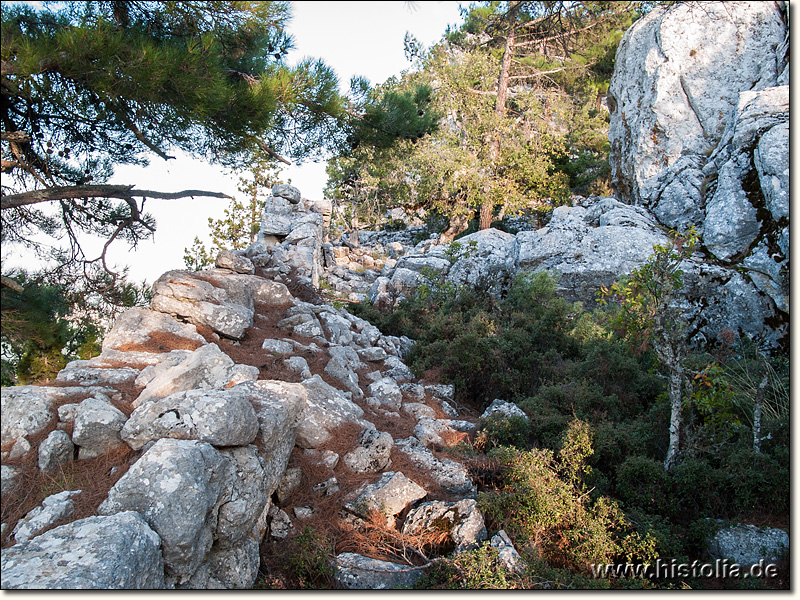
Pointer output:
x,y
140,326
227,311
109,552
219,417
450,475
357,572
390,495
462,520
339,370
234,567
747,544
442,391
79,372
387,392
507,409
326,488
9,478
57,449
280,526
26,410
372,455
97,428
289,192
227,259
506,552
53,509
418,410
277,346
246,498
299,365
291,480
325,458
205,368
178,487
326,409
429,431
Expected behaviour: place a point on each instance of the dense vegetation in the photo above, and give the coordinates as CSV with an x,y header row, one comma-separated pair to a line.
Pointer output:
x,y
582,480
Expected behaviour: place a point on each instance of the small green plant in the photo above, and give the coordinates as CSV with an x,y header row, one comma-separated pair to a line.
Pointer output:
x,y
310,561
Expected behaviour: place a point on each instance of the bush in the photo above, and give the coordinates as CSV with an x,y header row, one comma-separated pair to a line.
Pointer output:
x,y
501,430
542,501
309,561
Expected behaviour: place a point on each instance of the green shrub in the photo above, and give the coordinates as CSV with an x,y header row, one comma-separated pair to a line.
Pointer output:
x,y
501,430
309,560
478,569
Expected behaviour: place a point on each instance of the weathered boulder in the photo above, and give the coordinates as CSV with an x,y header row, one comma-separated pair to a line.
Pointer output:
x,y
9,479
227,259
506,409
357,572
24,410
747,544
53,508
462,520
506,552
140,327
207,368
483,260
326,409
387,393
390,495
97,427
219,417
585,254
279,408
119,551
178,487
449,474
56,450
372,454
677,78
228,312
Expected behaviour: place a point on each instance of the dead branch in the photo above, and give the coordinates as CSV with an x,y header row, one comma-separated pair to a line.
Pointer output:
x,y
123,192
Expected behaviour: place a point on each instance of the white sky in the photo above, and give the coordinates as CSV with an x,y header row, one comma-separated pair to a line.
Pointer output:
x,y
354,38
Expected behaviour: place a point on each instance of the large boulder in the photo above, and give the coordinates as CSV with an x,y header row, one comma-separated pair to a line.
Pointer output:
x,y
358,572
326,408
699,135
219,417
178,486
747,545
139,328
678,74
192,296
119,552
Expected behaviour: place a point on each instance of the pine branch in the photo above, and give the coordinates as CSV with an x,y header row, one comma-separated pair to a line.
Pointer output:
x,y
123,192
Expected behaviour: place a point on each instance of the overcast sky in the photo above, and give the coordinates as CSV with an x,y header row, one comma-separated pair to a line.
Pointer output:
x,y
354,38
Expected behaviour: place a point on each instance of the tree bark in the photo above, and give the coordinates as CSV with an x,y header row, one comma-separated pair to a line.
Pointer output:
x,y
458,224
758,406
487,207
123,192
675,420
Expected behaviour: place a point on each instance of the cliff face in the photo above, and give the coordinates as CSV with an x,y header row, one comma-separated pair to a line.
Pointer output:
x,y
700,133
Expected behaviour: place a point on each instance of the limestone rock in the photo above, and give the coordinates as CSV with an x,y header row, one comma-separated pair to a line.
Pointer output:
x,y
228,312
97,427
178,487
387,392
207,368
357,572
283,190
9,479
507,409
53,508
450,475
747,544
326,409
55,450
141,327
506,552
26,410
109,552
390,495
461,519
372,453
219,417
227,259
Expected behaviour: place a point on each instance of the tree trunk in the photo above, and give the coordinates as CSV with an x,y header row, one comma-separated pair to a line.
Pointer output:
x,y
758,406
458,224
675,420
500,107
